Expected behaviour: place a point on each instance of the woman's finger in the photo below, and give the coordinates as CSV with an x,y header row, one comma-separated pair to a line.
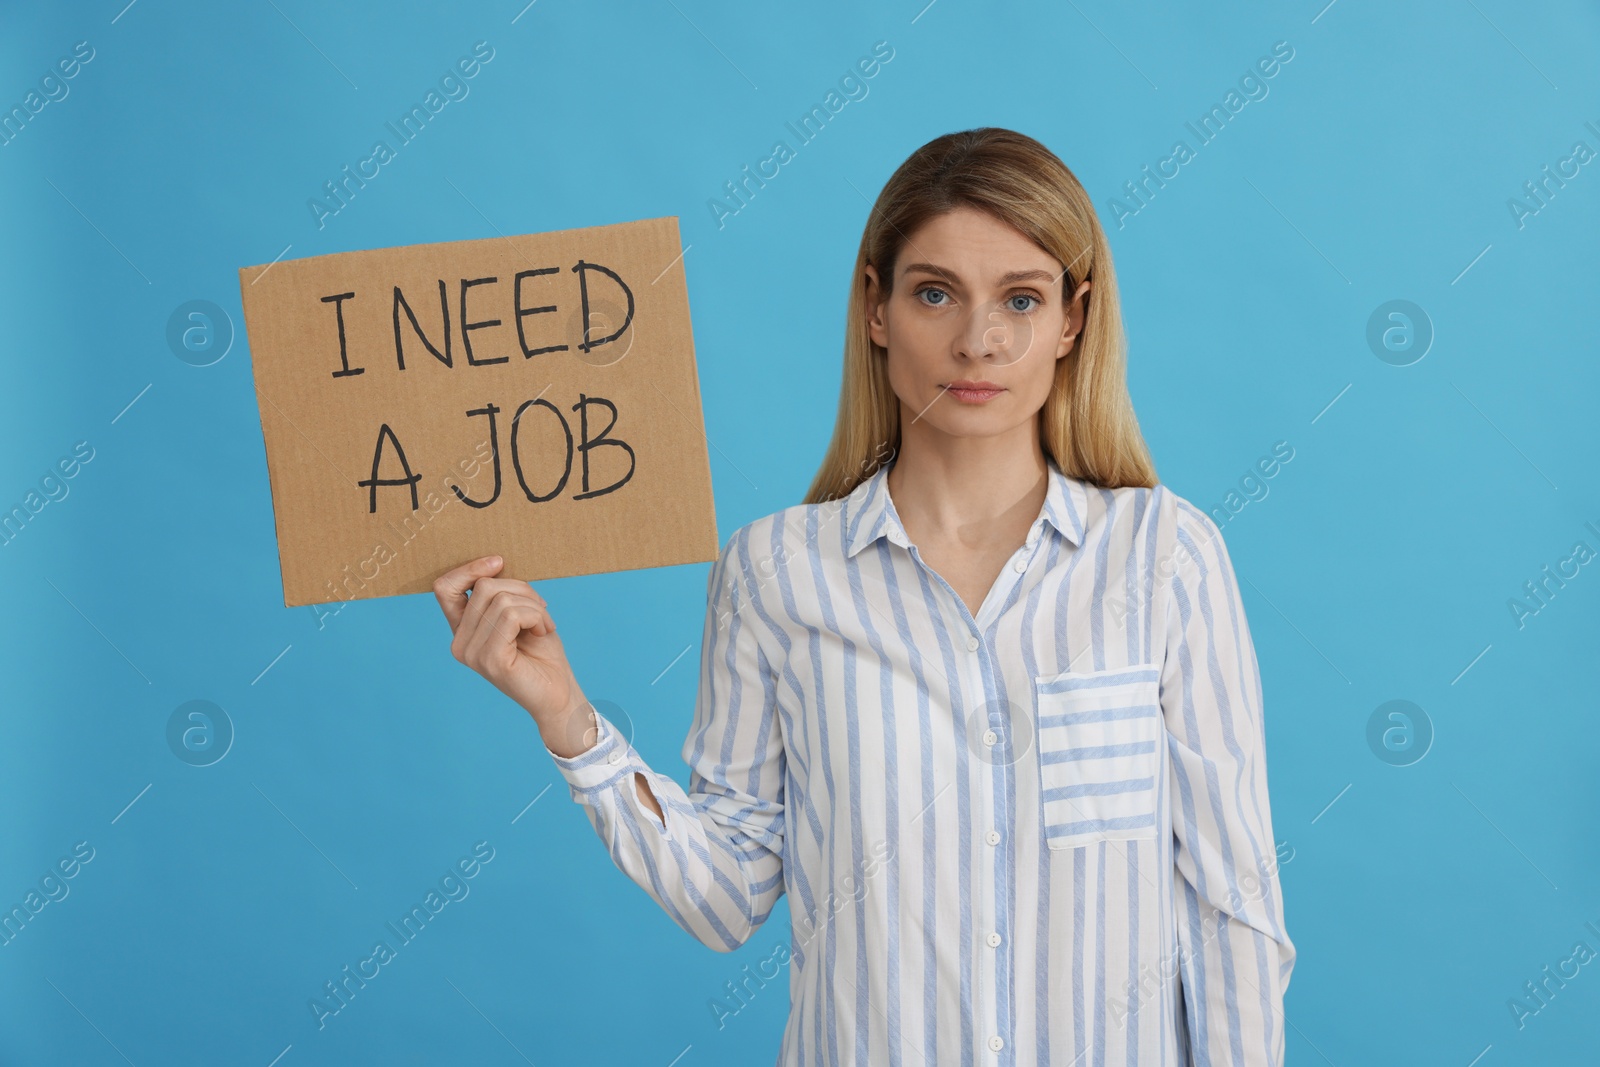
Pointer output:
x,y
476,617
484,589
502,624
450,588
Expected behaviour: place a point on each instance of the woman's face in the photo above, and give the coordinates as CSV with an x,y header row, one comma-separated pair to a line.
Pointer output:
x,y
974,325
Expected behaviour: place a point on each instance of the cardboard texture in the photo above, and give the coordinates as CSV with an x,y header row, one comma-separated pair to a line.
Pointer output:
x,y
426,405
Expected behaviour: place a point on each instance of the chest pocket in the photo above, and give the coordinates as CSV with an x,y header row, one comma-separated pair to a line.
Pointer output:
x,y
1099,754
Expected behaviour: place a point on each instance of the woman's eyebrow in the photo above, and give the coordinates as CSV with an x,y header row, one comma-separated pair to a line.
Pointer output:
x,y
1005,279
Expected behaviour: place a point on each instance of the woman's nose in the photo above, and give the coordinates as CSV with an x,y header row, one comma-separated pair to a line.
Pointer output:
x,y
989,333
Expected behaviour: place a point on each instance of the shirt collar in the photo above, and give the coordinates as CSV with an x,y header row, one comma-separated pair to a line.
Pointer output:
x,y
871,512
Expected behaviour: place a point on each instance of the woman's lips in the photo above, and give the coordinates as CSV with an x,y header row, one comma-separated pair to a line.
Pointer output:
x,y
968,394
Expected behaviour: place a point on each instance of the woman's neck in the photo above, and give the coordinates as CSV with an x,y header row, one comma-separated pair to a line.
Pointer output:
x,y
969,490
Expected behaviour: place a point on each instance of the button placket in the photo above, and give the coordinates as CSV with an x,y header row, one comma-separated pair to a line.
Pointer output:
x,y
986,914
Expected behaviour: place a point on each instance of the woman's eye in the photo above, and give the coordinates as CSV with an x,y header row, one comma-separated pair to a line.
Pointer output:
x,y
930,291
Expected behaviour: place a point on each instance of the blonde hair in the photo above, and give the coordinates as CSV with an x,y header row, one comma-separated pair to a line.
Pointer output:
x,y
1087,424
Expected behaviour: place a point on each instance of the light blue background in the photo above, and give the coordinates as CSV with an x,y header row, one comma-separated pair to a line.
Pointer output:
x,y
1379,565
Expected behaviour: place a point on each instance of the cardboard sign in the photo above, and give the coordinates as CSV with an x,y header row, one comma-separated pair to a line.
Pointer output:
x,y
533,397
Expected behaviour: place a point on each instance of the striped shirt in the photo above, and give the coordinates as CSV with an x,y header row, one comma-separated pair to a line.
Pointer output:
x,y
1037,835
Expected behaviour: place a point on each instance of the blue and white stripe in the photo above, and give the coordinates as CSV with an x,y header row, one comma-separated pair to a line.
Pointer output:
x,y
1040,835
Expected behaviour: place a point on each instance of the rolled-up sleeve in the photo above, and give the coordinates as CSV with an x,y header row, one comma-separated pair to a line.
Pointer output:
x,y
716,864
1235,956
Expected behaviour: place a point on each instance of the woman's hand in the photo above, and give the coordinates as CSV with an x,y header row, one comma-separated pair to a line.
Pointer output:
x,y
504,631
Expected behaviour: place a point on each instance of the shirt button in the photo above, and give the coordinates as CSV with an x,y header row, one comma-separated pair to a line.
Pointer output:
x,y
994,940
990,737
1020,565
972,644
996,1044
993,837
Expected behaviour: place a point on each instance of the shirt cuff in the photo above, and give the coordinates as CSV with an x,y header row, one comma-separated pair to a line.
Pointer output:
x,y
599,766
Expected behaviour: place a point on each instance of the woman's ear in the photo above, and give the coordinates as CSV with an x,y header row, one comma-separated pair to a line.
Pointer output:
x,y
1077,311
872,305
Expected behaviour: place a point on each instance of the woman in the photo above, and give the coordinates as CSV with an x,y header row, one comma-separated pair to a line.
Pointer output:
x,y
985,706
